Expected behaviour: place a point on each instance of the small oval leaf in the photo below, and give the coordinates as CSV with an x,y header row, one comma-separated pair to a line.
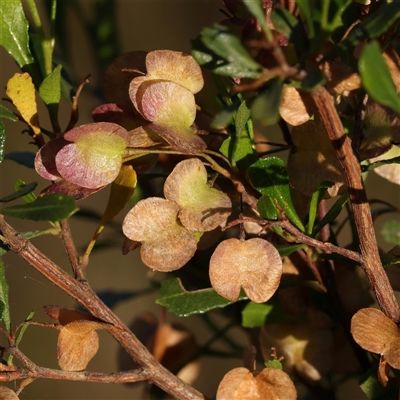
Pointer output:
x,y
54,207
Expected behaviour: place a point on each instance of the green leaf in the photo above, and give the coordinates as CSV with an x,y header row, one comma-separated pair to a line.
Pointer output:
x,y
19,184
391,231
23,328
239,147
6,113
270,178
285,250
25,189
54,207
182,303
221,51
274,364
373,389
369,167
267,208
50,92
27,235
376,77
375,24
2,140
14,32
241,118
332,213
255,315
25,158
4,305
316,198
265,107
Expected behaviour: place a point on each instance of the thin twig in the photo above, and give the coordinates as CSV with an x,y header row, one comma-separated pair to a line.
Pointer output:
x,y
74,108
31,370
300,237
371,262
313,267
85,295
70,248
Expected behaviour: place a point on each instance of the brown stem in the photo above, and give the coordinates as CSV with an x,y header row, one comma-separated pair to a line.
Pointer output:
x,y
299,237
371,262
313,267
84,294
70,248
31,370
74,108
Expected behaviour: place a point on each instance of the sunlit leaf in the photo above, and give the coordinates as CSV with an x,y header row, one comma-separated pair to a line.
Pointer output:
x,y
166,244
255,315
54,207
270,383
50,92
21,91
77,344
122,190
183,303
201,207
14,32
376,77
253,265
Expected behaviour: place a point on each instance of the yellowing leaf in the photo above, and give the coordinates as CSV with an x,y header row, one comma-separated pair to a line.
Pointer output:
x,y
21,91
121,191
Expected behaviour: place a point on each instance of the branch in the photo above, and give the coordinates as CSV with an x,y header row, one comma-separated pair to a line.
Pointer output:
x,y
371,262
70,248
31,370
83,293
300,237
